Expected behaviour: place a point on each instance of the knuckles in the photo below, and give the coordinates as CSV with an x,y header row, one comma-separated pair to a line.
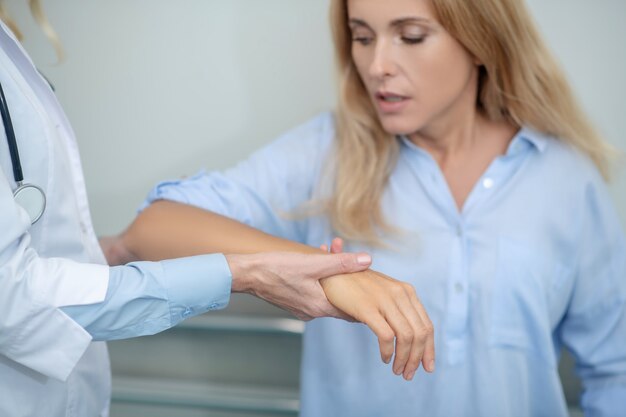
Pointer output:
x,y
426,332
409,289
386,337
405,336
345,265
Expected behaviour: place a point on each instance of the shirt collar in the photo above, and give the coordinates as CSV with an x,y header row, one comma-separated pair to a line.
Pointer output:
x,y
530,136
524,138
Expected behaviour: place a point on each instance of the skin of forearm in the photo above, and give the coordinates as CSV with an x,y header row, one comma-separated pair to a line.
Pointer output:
x,y
167,230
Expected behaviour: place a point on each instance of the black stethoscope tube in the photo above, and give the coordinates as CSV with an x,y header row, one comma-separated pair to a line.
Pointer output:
x,y
10,133
31,197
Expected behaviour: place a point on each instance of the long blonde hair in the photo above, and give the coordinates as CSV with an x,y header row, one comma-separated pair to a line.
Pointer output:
x,y
520,82
42,20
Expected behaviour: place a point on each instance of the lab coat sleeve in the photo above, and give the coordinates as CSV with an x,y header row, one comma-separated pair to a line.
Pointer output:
x,y
33,331
269,190
145,298
594,328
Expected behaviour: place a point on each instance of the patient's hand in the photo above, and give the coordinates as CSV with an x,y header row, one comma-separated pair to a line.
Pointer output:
x,y
391,309
115,250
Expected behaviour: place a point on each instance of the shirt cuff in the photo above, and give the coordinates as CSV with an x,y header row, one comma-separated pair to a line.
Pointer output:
x,y
196,285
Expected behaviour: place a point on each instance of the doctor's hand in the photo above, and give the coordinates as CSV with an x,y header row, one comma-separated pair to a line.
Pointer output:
x,y
292,280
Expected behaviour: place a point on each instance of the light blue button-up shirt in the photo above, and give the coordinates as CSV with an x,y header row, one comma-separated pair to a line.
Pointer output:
x,y
534,262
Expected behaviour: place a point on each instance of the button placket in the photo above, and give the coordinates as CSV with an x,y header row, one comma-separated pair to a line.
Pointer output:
x,y
457,309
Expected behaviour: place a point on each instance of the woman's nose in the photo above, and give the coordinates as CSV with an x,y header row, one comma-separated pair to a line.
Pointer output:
x,y
382,65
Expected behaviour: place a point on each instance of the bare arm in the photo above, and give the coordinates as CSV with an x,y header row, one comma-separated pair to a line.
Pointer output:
x,y
167,230
389,307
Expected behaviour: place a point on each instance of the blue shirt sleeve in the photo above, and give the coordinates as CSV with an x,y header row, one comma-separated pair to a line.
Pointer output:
x,y
266,191
145,298
594,328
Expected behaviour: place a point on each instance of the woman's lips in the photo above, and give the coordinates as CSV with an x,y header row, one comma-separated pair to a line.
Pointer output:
x,y
390,102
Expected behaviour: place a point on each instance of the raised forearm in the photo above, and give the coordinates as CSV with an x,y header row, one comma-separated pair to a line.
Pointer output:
x,y
171,230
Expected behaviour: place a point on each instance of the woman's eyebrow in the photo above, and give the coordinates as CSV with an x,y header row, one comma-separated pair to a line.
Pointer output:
x,y
356,22
412,19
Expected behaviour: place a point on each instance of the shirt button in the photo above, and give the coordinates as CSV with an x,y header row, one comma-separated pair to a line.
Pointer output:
x,y
187,313
458,287
488,183
459,231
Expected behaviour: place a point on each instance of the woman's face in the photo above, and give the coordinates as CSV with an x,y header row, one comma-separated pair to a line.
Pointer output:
x,y
417,75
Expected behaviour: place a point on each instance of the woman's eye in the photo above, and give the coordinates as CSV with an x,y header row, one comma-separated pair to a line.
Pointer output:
x,y
363,40
412,40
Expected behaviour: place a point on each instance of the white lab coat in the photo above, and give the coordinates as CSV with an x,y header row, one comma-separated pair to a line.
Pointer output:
x,y
48,365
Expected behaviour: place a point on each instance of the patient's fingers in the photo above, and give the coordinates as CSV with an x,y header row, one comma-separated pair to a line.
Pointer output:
x,y
413,330
377,323
420,332
404,337
392,311
428,358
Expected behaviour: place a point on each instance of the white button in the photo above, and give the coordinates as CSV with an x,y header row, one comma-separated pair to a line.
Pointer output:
x,y
458,287
459,231
487,183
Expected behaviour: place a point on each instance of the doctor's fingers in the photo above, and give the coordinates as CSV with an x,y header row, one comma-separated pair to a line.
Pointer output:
x,y
314,304
336,246
327,265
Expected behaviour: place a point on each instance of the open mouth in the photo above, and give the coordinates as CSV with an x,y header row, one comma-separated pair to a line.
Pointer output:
x,y
391,103
390,98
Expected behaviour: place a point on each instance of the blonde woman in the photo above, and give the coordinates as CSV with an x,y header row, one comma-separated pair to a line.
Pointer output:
x,y
459,158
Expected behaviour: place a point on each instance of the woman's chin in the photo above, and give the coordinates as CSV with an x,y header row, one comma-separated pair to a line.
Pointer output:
x,y
398,127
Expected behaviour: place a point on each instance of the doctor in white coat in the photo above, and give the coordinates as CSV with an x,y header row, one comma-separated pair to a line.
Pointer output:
x,y
57,296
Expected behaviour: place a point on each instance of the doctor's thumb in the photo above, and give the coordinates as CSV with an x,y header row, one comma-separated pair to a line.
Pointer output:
x,y
351,262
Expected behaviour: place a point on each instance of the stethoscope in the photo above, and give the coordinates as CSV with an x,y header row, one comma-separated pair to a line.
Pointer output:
x,y
31,197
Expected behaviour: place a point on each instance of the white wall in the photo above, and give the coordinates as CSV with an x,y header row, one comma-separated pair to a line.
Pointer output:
x,y
160,88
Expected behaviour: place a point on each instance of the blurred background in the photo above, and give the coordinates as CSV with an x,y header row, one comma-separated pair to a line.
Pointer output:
x,y
158,89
